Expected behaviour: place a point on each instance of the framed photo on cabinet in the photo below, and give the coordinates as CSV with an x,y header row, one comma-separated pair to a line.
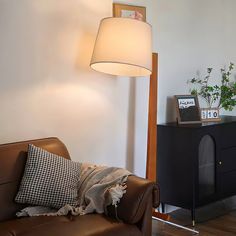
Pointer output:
x,y
188,111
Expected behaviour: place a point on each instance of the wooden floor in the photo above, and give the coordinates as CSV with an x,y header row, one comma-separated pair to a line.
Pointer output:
x,y
224,225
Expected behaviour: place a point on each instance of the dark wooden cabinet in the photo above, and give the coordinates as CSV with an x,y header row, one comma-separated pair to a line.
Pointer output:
x,y
196,163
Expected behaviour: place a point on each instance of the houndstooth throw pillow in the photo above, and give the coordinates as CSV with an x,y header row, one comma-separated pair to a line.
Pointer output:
x,y
49,180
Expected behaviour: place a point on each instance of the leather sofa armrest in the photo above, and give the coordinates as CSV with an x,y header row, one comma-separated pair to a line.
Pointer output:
x,y
134,202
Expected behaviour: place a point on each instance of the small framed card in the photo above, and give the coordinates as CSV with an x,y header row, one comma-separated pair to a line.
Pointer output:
x,y
210,114
188,111
130,11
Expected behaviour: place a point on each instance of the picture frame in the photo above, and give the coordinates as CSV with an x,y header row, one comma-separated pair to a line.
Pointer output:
x,y
188,111
129,11
210,114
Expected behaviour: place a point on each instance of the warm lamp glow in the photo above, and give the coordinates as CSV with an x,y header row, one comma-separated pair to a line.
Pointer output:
x,y
123,47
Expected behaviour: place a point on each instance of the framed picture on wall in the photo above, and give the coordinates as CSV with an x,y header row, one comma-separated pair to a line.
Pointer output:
x,y
135,12
188,111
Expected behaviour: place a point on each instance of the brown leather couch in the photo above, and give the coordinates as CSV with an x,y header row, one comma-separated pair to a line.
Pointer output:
x,y
135,208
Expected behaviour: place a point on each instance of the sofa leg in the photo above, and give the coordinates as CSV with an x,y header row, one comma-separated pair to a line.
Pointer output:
x,y
163,207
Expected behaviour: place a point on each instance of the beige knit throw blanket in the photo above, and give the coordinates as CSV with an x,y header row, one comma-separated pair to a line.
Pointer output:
x,y
98,188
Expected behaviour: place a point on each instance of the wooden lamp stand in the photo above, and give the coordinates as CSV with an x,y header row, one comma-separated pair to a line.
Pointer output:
x,y
151,165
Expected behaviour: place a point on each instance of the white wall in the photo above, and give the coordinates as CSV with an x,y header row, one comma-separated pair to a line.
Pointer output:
x,y
48,89
191,36
46,85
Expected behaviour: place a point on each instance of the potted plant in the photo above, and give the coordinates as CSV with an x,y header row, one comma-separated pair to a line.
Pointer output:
x,y
224,95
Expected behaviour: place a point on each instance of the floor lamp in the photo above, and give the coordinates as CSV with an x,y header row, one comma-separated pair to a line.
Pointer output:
x,y
124,47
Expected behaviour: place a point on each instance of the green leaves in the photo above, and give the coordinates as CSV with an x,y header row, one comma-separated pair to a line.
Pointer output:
x,y
228,89
224,93
209,70
194,92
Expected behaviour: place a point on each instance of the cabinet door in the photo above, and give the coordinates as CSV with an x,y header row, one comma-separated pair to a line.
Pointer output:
x,y
175,168
227,160
227,171
226,163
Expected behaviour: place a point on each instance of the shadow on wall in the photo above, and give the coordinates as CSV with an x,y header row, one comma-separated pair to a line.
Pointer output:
x,y
170,109
84,51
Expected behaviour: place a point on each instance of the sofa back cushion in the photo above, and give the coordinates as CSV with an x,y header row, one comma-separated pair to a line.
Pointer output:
x,y
12,161
49,180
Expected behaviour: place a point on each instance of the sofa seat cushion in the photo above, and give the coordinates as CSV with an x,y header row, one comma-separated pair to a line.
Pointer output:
x,y
86,225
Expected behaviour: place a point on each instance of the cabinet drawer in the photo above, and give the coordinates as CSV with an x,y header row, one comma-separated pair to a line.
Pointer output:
x,y
227,183
227,160
228,135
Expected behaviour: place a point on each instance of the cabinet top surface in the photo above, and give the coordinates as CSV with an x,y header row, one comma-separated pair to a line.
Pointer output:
x,y
224,120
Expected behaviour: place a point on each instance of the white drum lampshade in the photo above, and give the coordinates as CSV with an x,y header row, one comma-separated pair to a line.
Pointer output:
x,y
123,47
